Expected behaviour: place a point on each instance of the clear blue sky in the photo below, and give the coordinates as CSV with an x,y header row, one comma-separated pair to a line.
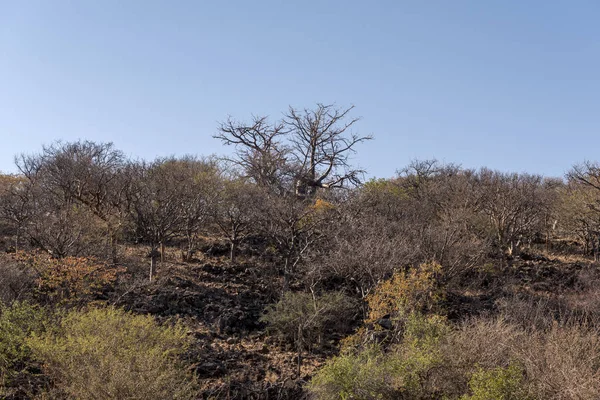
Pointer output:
x,y
512,85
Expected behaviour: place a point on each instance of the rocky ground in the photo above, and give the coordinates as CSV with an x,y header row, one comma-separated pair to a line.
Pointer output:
x,y
222,304
235,357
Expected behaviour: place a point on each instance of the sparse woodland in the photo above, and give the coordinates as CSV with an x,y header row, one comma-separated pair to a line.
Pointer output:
x,y
279,272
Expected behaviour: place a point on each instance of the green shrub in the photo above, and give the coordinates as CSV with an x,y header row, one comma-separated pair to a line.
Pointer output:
x,y
497,384
415,291
420,351
366,374
370,373
17,322
111,354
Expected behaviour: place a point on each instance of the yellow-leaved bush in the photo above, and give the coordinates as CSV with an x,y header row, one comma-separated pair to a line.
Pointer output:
x,y
415,290
113,354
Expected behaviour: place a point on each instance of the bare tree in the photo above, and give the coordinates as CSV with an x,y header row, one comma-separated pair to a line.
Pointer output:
x,y
583,206
292,225
15,198
587,173
236,211
513,204
196,182
321,145
307,150
155,206
259,151
86,172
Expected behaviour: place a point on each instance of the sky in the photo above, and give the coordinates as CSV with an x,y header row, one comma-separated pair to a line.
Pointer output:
x,y
510,85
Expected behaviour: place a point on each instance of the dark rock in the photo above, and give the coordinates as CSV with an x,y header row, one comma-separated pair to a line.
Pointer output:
x,y
211,369
236,321
180,282
385,323
264,349
212,269
216,249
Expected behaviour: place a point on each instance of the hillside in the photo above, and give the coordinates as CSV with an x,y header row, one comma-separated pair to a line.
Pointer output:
x,y
262,278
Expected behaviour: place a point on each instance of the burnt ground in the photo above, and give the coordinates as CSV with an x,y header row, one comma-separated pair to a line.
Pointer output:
x,y
222,305
236,358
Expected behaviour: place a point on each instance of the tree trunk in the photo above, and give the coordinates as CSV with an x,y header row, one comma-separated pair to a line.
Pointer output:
x,y
514,248
286,275
17,237
299,350
152,265
162,252
233,251
113,247
189,251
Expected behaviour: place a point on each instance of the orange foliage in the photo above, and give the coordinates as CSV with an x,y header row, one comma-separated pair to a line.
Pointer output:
x,y
70,279
322,206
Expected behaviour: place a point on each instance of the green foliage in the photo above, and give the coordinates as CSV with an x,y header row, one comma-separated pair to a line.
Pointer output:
x,y
112,354
367,374
17,322
302,319
384,188
420,350
497,384
371,373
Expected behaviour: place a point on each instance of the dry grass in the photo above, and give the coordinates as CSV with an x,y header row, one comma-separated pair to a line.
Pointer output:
x,y
560,363
567,258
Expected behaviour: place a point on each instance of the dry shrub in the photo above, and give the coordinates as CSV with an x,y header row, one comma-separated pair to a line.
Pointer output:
x,y
532,312
483,358
481,343
541,311
304,319
562,362
17,280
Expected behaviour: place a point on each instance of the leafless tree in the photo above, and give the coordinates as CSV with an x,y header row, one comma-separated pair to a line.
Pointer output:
x,y
583,208
321,145
15,200
513,204
292,225
86,172
196,183
308,149
155,206
260,152
236,211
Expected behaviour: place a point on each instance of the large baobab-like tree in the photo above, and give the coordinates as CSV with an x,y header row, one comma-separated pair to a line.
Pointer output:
x,y
260,153
307,150
321,146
